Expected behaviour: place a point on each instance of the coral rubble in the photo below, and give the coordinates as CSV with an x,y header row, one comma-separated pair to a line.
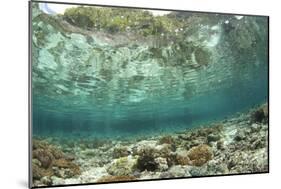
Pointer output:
x,y
235,145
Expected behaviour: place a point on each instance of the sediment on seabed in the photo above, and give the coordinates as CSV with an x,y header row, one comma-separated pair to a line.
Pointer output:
x,y
232,146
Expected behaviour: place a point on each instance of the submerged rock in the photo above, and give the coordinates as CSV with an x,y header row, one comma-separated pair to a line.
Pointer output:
x,y
182,157
149,159
240,135
261,114
38,172
123,166
147,163
213,137
57,180
44,156
197,171
166,140
162,164
49,161
153,149
255,127
178,171
46,180
121,151
220,145
116,178
36,162
217,167
69,168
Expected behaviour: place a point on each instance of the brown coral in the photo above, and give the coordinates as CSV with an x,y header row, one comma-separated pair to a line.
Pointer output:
x,y
38,172
116,178
38,144
44,156
200,155
182,160
120,151
63,163
45,153
166,140
260,114
47,158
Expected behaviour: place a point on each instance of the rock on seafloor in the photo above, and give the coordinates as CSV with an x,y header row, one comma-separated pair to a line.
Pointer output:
x,y
235,145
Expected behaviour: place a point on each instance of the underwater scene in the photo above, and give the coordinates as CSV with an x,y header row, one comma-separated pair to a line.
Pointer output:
x,y
128,94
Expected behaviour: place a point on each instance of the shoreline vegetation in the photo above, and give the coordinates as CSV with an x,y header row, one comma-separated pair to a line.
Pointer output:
x,y
142,25
181,54
232,146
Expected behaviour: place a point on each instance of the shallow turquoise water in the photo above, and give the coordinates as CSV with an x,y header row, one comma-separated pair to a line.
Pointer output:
x,y
166,115
86,87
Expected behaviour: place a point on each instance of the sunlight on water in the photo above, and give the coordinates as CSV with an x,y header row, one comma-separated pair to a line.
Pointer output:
x,y
110,84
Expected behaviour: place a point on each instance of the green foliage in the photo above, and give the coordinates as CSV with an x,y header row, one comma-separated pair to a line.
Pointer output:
x,y
115,20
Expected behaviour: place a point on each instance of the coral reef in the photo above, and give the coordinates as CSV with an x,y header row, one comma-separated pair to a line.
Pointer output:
x,y
116,178
123,166
200,155
166,140
162,164
182,157
261,114
38,172
121,151
235,145
72,168
146,162
48,160
45,157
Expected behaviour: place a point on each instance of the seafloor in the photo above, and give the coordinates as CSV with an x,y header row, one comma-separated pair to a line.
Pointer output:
x,y
235,145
